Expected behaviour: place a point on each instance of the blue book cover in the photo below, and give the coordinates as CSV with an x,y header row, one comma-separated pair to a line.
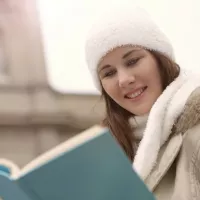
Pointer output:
x,y
89,166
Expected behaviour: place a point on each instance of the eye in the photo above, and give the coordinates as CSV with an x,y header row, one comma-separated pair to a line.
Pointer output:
x,y
132,61
109,73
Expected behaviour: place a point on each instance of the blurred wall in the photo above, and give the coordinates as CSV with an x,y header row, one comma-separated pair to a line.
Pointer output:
x,y
33,117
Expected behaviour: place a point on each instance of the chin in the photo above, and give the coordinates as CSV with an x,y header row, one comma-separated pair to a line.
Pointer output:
x,y
140,112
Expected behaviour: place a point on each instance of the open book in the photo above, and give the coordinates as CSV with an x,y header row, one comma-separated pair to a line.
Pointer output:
x,y
89,166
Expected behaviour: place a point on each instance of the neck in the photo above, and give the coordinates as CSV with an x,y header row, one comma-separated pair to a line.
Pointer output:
x,y
139,124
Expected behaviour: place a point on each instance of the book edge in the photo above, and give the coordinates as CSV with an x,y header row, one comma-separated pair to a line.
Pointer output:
x,y
13,167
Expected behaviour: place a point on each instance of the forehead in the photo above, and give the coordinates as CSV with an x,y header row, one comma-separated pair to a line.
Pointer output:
x,y
118,52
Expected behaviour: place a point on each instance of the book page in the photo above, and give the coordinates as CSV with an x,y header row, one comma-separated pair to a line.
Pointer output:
x,y
63,147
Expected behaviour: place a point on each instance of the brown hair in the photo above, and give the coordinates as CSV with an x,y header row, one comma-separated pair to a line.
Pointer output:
x,y
117,118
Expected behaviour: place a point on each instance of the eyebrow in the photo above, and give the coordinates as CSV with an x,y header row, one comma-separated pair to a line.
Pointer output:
x,y
123,57
130,52
104,67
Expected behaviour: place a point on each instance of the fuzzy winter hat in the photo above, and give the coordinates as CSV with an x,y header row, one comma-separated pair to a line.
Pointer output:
x,y
123,26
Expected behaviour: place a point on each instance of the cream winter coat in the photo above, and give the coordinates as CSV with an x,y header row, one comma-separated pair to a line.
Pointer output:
x,y
168,157
176,175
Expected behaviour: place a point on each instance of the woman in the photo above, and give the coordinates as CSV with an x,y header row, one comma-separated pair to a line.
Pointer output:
x,y
152,105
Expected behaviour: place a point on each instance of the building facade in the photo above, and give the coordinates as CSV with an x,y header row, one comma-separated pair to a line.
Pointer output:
x,y
34,117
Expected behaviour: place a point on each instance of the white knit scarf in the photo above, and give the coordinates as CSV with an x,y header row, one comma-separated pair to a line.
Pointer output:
x,y
162,116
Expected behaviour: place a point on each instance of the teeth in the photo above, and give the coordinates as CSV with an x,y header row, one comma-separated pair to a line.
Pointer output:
x,y
135,94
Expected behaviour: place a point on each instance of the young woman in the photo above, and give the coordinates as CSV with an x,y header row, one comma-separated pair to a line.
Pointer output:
x,y
152,105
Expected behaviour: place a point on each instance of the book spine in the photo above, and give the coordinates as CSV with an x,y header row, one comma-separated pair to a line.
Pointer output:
x,y
9,190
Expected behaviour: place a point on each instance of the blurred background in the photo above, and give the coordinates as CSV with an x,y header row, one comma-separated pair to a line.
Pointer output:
x,y
46,92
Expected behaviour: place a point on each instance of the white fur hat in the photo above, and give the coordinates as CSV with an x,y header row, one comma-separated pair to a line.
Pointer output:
x,y
123,26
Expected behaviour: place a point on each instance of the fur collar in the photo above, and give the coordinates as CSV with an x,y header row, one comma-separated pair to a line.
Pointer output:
x,y
191,113
164,114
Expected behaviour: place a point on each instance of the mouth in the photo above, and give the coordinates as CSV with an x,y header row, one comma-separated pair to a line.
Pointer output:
x,y
136,93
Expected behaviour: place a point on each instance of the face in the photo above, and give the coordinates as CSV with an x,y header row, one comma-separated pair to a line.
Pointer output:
x,y
130,76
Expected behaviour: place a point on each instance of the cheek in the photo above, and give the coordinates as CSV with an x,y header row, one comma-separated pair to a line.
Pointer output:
x,y
153,73
110,88
157,78
156,82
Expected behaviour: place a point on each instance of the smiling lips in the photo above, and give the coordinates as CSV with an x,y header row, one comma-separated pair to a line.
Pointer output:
x,y
136,93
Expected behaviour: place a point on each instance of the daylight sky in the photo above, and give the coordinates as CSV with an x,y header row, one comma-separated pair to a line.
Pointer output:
x,y
64,24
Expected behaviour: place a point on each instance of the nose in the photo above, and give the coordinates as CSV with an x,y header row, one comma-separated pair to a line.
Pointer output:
x,y
125,78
